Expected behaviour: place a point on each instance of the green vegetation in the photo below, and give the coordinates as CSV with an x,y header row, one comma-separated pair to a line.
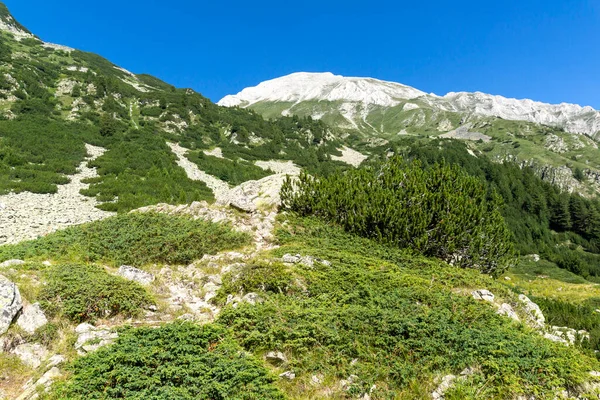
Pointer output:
x,y
35,153
232,172
439,211
393,320
141,170
134,238
533,209
176,361
87,292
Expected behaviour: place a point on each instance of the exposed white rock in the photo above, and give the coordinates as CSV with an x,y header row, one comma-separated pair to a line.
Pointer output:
x,y
32,389
216,152
350,156
276,358
26,216
31,354
91,338
10,303
535,317
304,86
32,318
289,375
279,167
507,310
136,275
366,92
11,263
483,294
220,189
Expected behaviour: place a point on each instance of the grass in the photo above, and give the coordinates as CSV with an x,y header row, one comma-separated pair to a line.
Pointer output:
x,y
394,320
134,238
545,279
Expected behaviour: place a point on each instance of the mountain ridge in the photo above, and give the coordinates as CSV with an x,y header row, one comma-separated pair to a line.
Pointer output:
x,y
573,118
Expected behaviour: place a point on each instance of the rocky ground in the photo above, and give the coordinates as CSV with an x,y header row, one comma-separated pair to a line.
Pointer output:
x,y
25,216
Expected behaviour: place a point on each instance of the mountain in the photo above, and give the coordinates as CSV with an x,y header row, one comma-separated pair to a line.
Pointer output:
x,y
152,245
356,99
556,140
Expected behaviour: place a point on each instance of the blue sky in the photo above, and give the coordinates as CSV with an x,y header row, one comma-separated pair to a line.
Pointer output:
x,y
545,50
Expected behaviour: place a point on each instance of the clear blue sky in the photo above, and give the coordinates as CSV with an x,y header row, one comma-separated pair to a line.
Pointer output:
x,y
548,50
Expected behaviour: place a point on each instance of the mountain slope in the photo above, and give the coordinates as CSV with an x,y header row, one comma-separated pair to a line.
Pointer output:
x,y
559,141
366,93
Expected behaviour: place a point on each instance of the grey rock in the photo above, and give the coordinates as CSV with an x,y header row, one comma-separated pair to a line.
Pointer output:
x,y
43,384
137,275
31,354
276,358
32,318
507,310
251,298
91,338
11,263
483,294
535,317
10,303
289,375
290,259
447,383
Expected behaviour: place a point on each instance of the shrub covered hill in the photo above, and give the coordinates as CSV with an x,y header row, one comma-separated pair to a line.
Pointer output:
x,y
154,245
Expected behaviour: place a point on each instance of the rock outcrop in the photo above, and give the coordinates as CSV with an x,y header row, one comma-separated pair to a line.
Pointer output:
x,y
32,318
10,303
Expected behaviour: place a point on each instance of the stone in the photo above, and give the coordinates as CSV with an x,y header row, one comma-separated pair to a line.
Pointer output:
x,y
316,379
289,375
535,317
276,358
32,318
32,388
11,263
290,259
91,338
136,275
507,310
447,382
10,303
251,298
483,294
31,354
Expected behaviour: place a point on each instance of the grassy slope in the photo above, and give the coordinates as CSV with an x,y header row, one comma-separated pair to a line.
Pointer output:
x,y
392,320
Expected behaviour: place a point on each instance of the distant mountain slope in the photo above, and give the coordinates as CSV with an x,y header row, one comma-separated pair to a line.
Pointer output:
x,y
359,97
559,141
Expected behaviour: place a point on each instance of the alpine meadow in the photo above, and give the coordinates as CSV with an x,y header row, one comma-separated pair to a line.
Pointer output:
x,y
315,236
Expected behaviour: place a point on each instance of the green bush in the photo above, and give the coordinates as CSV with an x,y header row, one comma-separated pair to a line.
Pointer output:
x,y
87,292
176,361
393,320
233,172
134,238
439,211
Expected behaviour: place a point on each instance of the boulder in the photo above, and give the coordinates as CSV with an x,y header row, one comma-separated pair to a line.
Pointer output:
x,y
136,275
276,358
535,317
33,388
11,263
32,318
31,354
10,303
289,375
483,294
507,310
91,338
